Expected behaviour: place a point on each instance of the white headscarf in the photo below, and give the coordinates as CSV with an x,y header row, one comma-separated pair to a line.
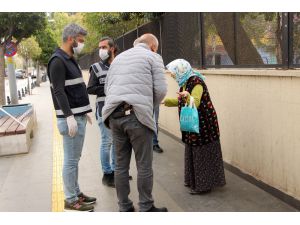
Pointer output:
x,y
183,71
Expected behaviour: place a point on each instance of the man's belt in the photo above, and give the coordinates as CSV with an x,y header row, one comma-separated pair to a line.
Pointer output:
x,y
122,110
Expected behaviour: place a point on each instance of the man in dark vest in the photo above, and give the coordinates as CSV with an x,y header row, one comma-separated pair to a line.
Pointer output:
x,y
72,106
98,72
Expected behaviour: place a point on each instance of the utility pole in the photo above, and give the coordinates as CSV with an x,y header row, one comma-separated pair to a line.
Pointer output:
x,y
12,81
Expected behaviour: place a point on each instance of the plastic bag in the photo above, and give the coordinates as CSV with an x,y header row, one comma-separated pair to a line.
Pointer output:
x,y
189,118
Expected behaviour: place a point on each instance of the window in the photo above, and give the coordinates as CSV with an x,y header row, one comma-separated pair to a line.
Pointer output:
x,y
296,38
259,38
216,53
242,39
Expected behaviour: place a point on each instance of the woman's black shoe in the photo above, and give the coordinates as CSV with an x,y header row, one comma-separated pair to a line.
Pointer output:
x,y
186,184
193,192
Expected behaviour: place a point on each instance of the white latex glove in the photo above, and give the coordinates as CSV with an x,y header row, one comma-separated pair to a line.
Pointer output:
x,y
72,126
89,118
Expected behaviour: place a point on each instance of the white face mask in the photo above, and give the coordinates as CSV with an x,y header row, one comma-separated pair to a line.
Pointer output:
x,y
79,48
103,54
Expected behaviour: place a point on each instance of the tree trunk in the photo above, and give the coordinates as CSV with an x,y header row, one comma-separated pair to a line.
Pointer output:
x,y
38,77
246,52
2,76
28,82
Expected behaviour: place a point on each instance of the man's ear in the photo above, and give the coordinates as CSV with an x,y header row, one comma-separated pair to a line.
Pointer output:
x,y
70,40
112,49
153,48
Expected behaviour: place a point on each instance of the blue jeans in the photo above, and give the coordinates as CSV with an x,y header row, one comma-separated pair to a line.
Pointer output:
x,y
72,153
107,149
156,115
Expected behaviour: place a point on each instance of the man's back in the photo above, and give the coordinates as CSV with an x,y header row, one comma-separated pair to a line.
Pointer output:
x,y
136,76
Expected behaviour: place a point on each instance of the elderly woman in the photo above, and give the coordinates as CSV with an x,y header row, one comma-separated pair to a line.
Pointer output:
x,y
203,168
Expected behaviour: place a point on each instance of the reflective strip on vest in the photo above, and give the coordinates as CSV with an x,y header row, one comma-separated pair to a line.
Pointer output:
x,y
100,72
72,82
74,110
100,99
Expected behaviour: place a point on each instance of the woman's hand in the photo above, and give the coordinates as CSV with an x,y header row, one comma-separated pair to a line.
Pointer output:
x,y
183,94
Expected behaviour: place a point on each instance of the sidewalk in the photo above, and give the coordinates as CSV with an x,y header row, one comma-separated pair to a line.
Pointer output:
x,y
26,180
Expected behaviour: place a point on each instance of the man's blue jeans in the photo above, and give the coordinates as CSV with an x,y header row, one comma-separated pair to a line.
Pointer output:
x,y
107,149
156,115
72,153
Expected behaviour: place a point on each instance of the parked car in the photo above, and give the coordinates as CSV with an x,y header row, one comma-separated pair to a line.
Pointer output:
x,y
21,70
21,74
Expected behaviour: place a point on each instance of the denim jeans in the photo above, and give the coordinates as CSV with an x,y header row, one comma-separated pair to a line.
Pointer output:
x,y
156,115
72,153
107,149
128,133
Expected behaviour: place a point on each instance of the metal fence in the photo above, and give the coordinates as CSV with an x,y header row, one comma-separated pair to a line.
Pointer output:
x,y
221,40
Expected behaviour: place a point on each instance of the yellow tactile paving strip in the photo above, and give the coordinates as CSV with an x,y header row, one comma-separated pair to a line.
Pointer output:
x,y
57,181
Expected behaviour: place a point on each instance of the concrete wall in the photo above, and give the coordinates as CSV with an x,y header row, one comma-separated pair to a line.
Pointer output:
x,y
259,117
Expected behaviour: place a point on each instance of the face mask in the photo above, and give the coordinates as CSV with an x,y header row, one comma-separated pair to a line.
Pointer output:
x,y
103,54
78,48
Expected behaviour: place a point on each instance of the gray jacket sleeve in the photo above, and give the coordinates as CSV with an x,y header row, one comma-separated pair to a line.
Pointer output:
x,y
106,83
159,80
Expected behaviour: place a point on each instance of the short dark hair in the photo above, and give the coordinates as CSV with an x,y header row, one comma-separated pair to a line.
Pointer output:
x,y
111,43
72,30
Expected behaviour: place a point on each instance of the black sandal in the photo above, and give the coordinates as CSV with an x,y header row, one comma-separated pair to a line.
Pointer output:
x,y
193,192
